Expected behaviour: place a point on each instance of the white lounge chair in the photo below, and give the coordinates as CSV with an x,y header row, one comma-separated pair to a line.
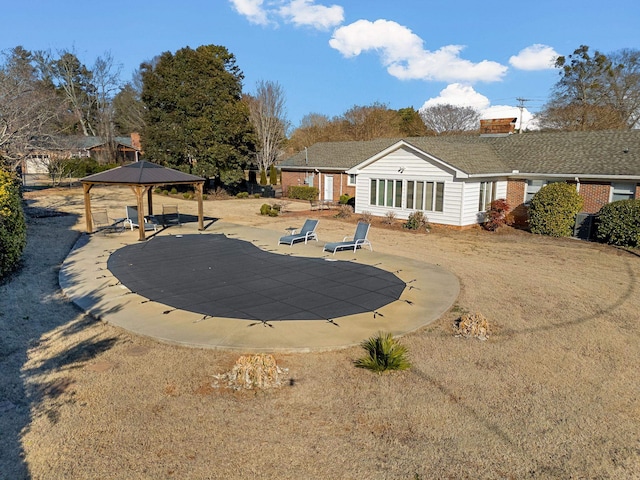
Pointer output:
x,y
307,232
358,240
150,223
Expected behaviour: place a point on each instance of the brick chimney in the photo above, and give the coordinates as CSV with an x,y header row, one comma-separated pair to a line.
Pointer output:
x,y
135,141
497,126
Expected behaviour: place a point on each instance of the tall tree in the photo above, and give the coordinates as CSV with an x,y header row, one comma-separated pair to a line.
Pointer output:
x,y
411,124
128,107
446,119
27,105
75,81
596,91
268,117
195,118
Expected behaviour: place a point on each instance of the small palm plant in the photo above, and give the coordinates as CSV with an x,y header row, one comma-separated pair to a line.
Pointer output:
x,y
383,353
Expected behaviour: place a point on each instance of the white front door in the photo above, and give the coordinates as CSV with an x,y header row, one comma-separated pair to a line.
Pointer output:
x,y
328,187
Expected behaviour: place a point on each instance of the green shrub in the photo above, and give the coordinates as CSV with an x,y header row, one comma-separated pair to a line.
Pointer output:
x,y
618,223
273,175
174,191
157,190
187,195
257,195
553,210
416,221
263,177
383,353
344,198
496,216
13,229
271,210
165,192
242,195
303,192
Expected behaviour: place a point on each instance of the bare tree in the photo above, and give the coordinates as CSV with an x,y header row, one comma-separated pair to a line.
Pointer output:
x,y
106,79
128,107
450,119
74,79
26,105
268,117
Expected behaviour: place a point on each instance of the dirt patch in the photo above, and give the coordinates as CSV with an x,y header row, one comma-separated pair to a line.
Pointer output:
x,y
552,394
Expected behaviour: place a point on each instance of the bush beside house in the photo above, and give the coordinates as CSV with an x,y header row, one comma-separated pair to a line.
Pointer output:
x,y
618,223
13,229
553,210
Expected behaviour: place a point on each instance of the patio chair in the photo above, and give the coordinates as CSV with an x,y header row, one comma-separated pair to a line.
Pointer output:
x,y
359,239
150,223
102,222
170,215
307,232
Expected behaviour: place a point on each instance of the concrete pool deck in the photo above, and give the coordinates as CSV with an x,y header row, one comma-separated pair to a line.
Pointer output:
x,y
84,277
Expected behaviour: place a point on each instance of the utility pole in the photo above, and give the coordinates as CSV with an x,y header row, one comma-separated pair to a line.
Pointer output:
x,y
521,107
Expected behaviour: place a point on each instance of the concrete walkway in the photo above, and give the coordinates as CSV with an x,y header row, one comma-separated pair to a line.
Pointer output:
x,y
85,279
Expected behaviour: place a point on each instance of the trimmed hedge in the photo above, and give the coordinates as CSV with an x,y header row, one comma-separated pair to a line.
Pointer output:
x,y
553,210
303,192
618,223
13,228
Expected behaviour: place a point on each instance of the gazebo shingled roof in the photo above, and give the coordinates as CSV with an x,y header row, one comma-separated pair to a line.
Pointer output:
x,y
141,176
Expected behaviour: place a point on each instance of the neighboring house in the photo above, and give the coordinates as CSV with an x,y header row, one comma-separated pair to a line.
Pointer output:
x,y
46,149
453,179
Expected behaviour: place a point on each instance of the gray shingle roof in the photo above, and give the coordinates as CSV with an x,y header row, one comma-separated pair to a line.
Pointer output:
x,y
559,153
142,173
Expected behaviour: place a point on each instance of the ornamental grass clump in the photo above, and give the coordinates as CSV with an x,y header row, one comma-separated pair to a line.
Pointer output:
x,y
383,353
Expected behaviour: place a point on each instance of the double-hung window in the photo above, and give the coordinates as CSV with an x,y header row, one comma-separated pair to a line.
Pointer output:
x,y
428,196
622,191
487,195
386,193
533,187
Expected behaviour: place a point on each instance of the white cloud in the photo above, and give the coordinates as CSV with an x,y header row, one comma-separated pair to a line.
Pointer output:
x,y
405,57
252,9
299,12
306,13
460,96
465,96
535,57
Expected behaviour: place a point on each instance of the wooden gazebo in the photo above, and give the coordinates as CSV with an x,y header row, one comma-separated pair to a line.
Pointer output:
x,y
142,176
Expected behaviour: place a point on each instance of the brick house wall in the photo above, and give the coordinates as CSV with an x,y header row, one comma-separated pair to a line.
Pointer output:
x,y
595,196
516,189
297,178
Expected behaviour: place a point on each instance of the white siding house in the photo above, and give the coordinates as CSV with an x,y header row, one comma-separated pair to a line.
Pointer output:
x,y
402,179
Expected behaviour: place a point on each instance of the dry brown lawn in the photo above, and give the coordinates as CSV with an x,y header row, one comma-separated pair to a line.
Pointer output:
x,y
553,392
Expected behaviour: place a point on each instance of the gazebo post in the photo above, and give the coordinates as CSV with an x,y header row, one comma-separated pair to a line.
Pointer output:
x,y
140,190
199,189
86,187
150,200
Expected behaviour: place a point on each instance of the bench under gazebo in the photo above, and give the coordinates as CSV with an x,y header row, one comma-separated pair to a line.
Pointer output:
x,y
142,176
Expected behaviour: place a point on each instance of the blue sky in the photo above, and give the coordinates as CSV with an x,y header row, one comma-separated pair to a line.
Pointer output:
x,y
331,55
